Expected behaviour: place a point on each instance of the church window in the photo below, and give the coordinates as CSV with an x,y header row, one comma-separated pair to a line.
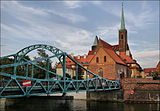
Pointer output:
x,y
104,58
122,36
97,59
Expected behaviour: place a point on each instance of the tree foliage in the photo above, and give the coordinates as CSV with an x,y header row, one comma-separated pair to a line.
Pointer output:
x,y
22,69
80,73
39,73
155,76
10,70
6,61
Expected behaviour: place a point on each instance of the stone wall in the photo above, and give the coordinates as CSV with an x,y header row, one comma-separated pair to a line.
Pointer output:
x,y
145,90
115,95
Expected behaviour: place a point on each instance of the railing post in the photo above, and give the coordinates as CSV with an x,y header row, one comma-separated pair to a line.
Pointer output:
x,y
64,72
27,70
48,65
15,67
32,73
77,76
48,68
87,79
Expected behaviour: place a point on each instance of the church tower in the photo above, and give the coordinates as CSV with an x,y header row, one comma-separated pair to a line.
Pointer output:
x,y
122,35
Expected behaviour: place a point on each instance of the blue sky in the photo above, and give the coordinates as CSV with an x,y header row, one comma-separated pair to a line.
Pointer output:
x,y
72,26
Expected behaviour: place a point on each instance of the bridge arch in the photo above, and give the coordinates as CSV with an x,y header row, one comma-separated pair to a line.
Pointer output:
x,y
60,84
20,54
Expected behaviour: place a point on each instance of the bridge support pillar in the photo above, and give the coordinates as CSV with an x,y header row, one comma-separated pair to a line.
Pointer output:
x,y
64,94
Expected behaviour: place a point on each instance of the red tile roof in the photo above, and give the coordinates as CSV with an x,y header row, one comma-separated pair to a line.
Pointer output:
x,y
91,52
81,59
158,66
105,44
147,70
111,52
110,49
126,58
115,47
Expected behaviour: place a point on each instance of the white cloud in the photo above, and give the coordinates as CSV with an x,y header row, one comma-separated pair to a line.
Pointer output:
x,y
147,53
37,29
68,15
138,19
18,8
96,2
108,32
72,4
147,58
21,12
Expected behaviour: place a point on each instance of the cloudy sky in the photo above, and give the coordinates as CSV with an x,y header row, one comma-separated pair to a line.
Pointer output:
x,y
72,26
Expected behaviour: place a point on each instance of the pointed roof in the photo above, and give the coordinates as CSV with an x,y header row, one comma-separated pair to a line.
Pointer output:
x,y
127,59
122,20
108,48
95,43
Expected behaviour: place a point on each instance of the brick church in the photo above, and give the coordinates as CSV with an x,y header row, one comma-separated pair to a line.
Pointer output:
x,y
106,60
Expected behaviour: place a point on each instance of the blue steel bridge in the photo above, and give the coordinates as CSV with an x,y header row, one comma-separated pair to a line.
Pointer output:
x,y
11,84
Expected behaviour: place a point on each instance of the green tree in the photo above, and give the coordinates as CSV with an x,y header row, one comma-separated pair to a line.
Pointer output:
x,y
39,73
67,75
155,76
150,74
21,70
8,70
80,74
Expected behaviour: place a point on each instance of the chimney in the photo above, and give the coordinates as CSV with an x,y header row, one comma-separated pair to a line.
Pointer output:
x,y
78,57
72,55
85,56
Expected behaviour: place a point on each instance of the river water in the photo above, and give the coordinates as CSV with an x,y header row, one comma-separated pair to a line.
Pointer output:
x,y
38,104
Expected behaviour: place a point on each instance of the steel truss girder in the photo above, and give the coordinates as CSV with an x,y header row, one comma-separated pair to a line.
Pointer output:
x,y
49,85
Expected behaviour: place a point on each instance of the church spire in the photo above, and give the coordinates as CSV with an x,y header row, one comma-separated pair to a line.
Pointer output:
x,y
95,43
122,20
122,35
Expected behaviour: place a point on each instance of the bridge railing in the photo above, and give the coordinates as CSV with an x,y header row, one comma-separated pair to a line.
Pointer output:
x,y
12,85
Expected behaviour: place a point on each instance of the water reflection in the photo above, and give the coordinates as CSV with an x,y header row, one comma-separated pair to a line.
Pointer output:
x,y
42,104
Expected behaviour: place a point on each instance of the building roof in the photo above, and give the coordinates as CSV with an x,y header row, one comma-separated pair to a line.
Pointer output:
x,y
115,47
108,48
95,41
147,70
91,52
83,60
127,59
111,51
122,20
158,66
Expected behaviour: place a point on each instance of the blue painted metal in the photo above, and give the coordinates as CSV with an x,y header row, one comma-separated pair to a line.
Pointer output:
x,y
11,86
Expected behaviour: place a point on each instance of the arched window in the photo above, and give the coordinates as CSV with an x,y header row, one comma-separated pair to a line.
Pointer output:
x,y
122,36
104,58
97,59
101,72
